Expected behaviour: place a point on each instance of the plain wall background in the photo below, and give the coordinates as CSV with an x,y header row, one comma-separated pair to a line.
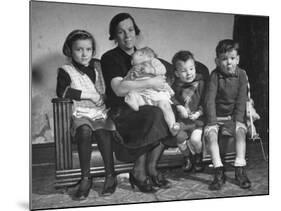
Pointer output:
x,y
166,31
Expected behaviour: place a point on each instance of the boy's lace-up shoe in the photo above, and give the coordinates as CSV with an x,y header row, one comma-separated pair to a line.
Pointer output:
x,y
241,177
219,179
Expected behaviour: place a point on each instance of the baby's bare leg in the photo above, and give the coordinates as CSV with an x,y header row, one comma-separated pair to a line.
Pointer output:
x,y
169,116
168,112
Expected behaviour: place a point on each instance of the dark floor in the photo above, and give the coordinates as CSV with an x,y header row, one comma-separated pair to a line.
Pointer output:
x,y
184,186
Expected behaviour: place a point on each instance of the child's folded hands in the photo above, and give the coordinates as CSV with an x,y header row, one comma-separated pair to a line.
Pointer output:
x,y
195,115
92,95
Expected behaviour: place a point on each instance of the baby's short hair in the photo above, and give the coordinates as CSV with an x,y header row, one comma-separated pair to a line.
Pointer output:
x,y
182,56
226,45
77,35
148,52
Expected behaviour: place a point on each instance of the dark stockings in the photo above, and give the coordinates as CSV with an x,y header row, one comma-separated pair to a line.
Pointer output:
x,y
142,164
84,136
84,142
104,138
139,170
154,157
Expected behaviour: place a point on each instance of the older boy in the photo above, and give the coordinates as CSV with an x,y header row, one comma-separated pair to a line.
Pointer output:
x,y
226,98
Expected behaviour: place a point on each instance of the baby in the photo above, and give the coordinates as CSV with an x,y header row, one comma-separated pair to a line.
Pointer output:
x,y
146,65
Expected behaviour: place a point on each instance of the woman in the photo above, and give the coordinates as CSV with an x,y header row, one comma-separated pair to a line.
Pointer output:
x,y
141,132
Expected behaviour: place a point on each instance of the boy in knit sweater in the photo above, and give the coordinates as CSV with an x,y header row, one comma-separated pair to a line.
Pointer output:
x,y
225,107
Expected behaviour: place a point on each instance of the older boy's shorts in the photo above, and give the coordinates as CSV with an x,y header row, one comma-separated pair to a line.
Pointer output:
x,y
226,128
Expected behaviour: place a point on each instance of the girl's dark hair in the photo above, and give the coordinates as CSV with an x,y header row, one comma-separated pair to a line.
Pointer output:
x,y
226,46
182,56
116,20
77,35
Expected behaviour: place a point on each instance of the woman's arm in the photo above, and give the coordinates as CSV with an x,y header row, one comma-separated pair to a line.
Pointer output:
x,y
114,70
122,87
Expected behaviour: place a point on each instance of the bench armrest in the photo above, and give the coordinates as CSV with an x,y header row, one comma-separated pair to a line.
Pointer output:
x,y
62,111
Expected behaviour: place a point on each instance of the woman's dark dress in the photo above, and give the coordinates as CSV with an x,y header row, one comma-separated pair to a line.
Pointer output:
x,y
140,130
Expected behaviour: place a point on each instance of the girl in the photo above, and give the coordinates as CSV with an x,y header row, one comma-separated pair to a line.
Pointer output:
x,y
81,80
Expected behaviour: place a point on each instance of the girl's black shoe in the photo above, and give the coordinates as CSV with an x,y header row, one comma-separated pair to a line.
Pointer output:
x,y
85,186
144,186
110,185
160,181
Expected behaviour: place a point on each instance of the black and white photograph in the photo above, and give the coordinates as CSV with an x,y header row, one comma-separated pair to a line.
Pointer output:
x,y
133,105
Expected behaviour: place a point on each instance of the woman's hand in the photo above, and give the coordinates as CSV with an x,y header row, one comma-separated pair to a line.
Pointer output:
x,y
157,82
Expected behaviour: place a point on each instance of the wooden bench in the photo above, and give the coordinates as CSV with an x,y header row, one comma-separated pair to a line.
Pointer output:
x,y
67,160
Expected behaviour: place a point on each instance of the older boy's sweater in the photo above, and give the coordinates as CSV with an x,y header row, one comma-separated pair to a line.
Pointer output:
x,y
226,95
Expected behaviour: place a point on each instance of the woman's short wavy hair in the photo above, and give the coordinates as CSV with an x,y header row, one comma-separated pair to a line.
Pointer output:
x,y
77,35
116,20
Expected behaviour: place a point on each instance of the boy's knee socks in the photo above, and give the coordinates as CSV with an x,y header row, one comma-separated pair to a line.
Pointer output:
x,y
240,162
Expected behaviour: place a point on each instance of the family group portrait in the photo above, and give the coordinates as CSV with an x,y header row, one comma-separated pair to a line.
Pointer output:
x,y
138,105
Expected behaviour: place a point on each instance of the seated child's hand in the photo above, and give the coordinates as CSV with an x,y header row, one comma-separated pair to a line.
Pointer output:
x,y
91,95
182,111
194,116
99,102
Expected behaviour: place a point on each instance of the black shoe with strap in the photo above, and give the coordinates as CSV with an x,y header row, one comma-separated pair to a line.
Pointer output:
x,y
85,186
110,185
219,179
241,178
144,186
198,165
160,181
188,163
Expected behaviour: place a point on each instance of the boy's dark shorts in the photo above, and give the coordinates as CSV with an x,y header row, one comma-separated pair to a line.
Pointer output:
x,y
225,128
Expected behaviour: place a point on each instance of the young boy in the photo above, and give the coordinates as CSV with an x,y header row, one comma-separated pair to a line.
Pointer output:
x,y
189,88
226,98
